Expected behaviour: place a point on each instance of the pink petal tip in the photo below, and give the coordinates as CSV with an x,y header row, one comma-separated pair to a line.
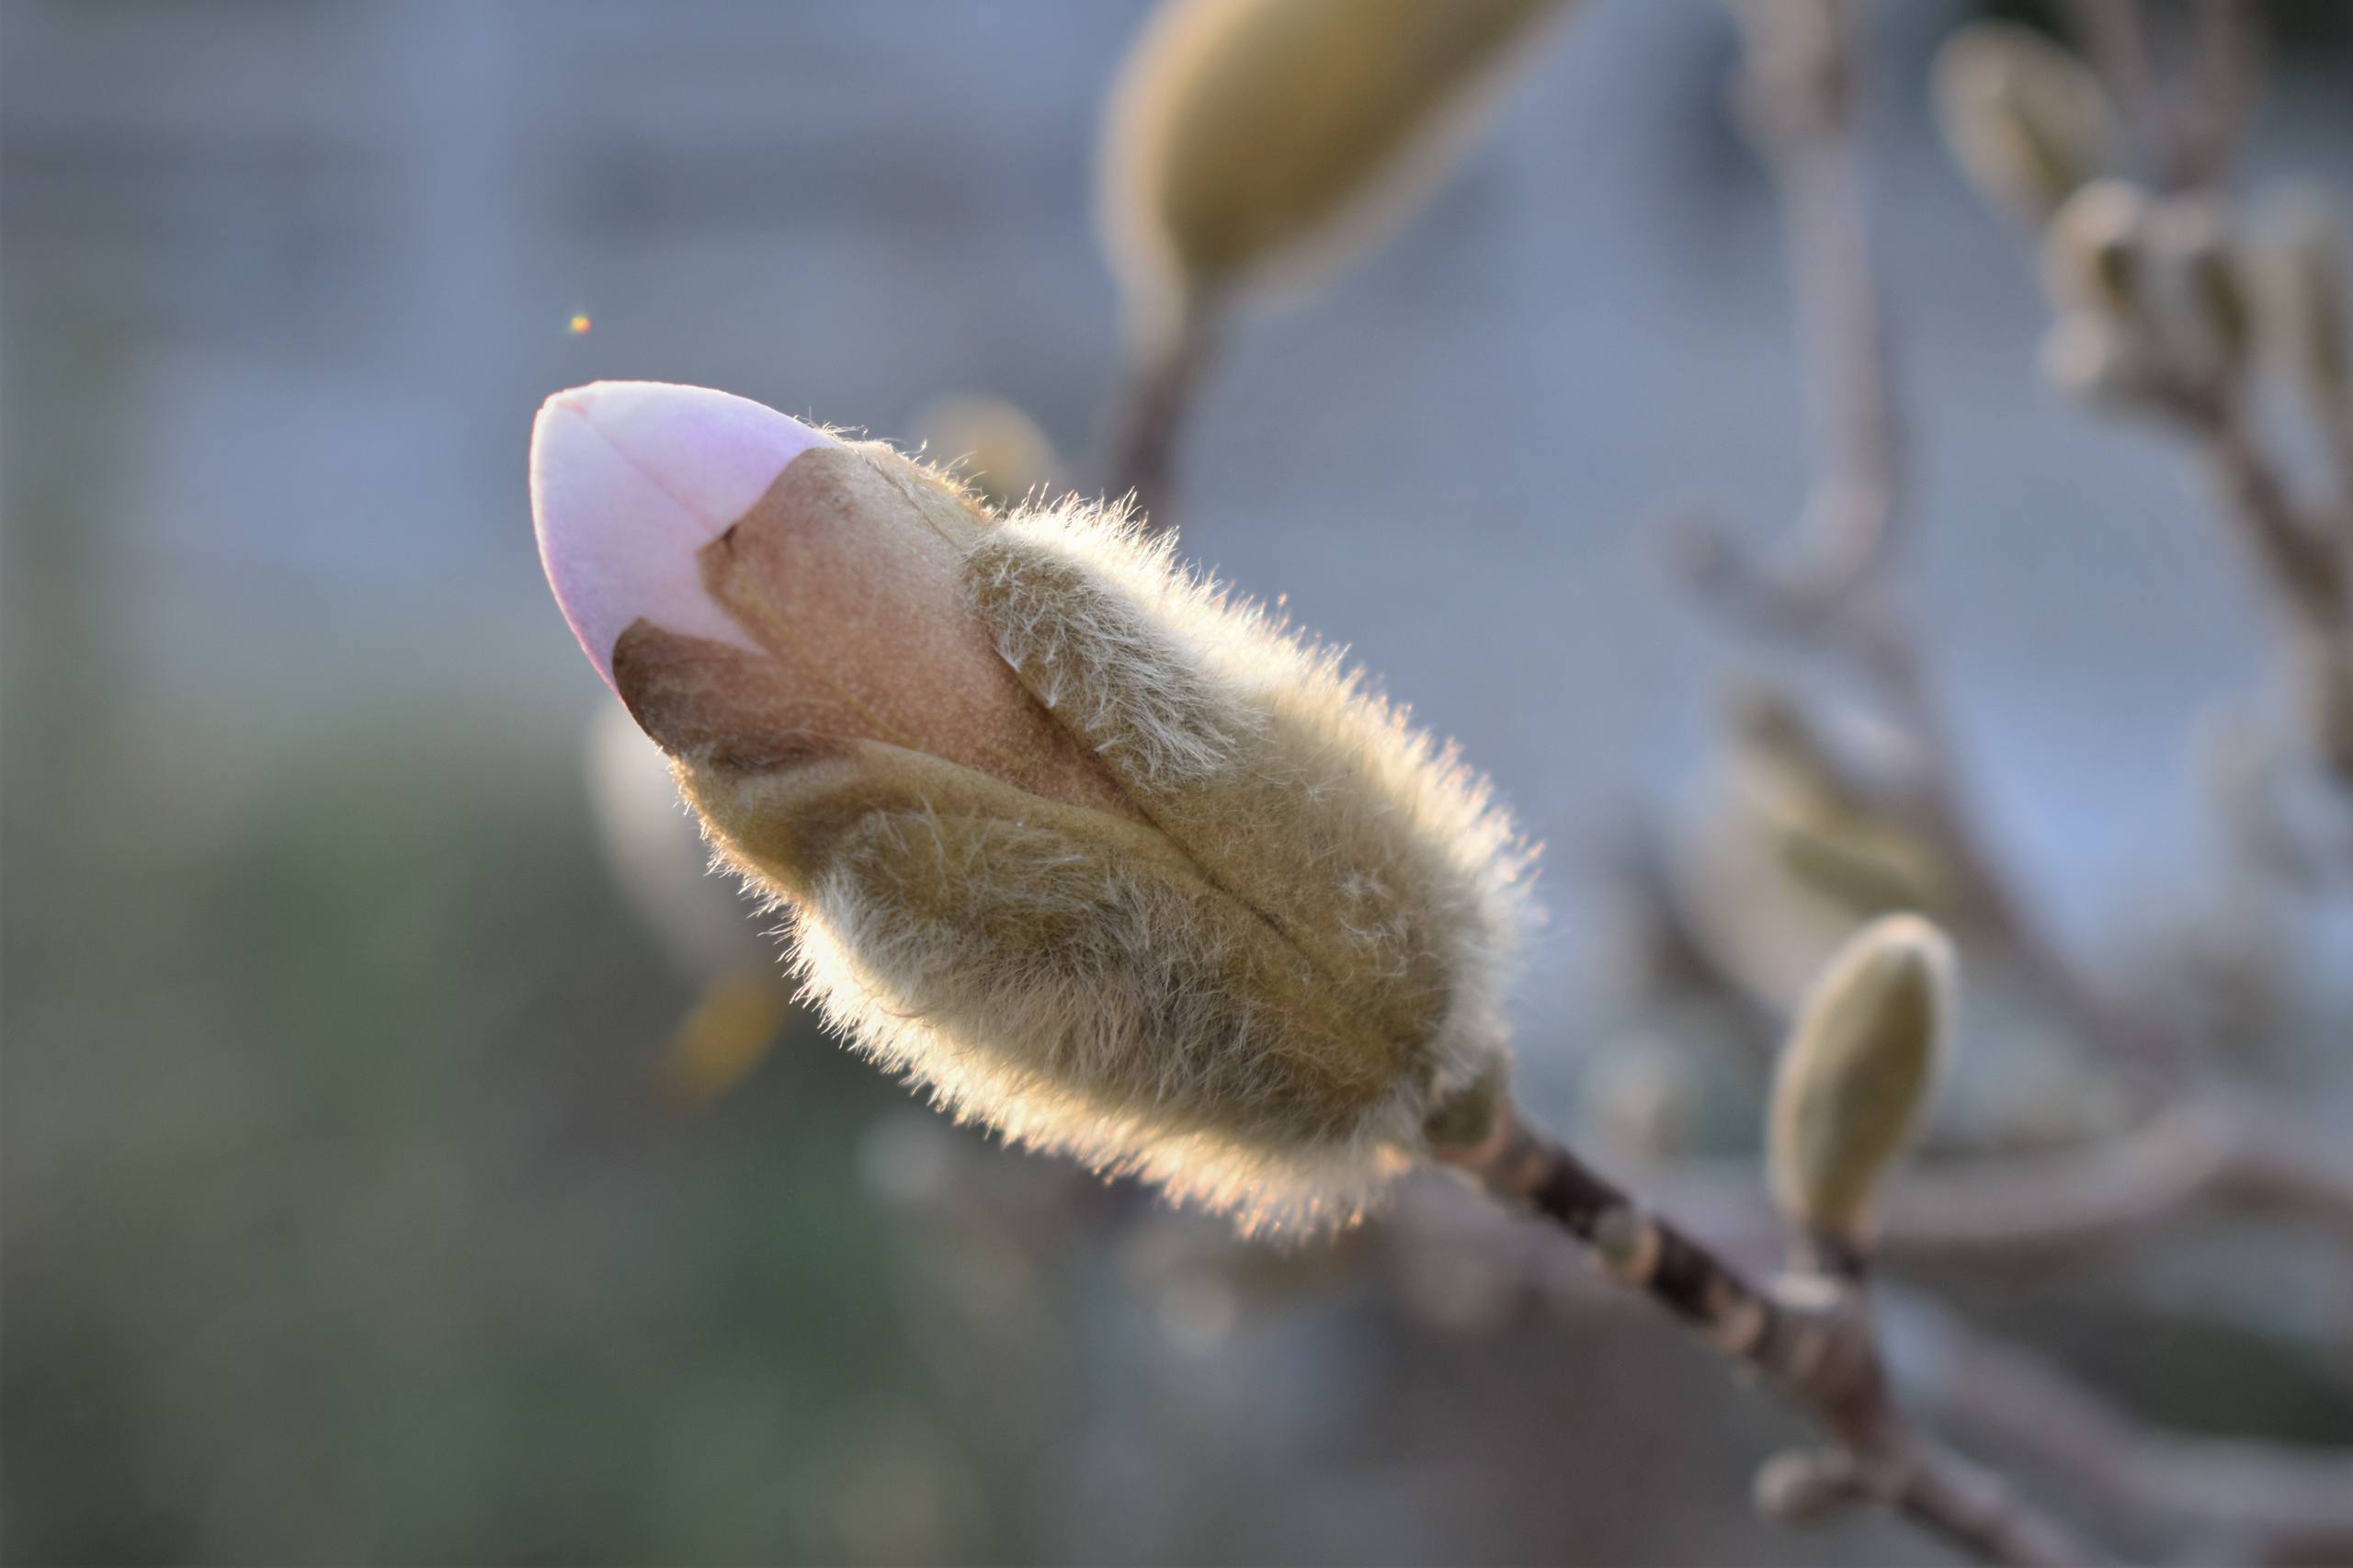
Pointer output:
x,y
629,480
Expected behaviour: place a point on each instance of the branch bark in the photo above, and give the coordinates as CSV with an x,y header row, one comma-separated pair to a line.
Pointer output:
x,y
1153,403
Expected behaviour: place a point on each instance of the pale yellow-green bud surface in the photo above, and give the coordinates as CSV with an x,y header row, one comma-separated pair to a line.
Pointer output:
x,y
1857,1072
2026,121
1249,139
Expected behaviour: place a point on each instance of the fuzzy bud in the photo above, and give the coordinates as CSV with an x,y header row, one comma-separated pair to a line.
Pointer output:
x,y
1831,825
1250,139
1098,855
1860,1061
2301,302
2025,120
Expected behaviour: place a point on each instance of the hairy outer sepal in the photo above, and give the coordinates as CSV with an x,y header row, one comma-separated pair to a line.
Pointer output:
x,y
1072,978
1298,793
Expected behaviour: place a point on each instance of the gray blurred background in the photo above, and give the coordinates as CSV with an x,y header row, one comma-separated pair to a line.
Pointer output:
x,y
347,1215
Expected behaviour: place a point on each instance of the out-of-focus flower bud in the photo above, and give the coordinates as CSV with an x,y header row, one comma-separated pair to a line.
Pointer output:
x,y
2199,286
1830,823
722,1036
1786,752
992,446
1811,826
2026,121
1253,139
2094,255
2300,302
1095,853
1860,1061
658,859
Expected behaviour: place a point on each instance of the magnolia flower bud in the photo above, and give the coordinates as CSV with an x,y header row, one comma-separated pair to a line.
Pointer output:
x,y
1097,853
1256,138
2025,119
2306,321
1860,1061
1839,828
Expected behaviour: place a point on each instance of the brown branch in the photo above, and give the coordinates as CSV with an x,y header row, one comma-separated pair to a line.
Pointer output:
x,y
2184,132
1814,1346
2306,558
1796,97
1155,398
1838,598
2304,561
2226,54
2242,1499
2117,46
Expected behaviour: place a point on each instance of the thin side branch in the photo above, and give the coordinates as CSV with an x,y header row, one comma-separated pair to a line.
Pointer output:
x,y
1150,414
1838,597
2217,1149
2240,1497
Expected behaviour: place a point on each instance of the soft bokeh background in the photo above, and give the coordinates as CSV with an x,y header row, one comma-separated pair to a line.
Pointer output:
x,y
355,1208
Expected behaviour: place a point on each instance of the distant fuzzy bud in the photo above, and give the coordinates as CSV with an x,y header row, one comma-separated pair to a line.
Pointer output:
x,y
659,860
1836,826
1251,140
1097,853
2026,121
2301,299
991,445
1856,1072
2095,253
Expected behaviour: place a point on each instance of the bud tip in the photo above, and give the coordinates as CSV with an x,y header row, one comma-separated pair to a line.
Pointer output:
x,y
628,479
